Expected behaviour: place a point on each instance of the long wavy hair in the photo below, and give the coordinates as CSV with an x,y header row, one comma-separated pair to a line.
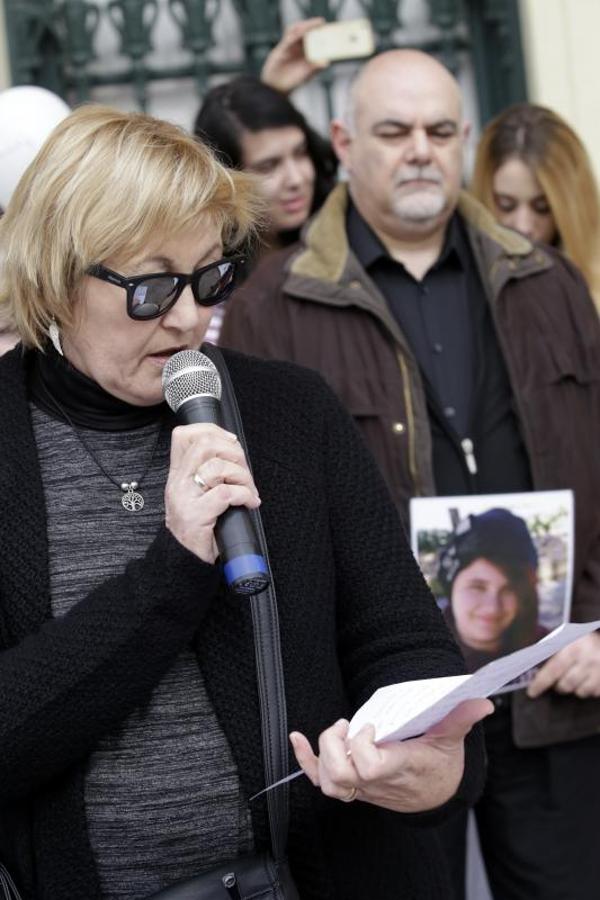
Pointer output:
x,y
559,161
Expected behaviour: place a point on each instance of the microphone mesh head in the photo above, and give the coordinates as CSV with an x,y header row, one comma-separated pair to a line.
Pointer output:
x,y
187,374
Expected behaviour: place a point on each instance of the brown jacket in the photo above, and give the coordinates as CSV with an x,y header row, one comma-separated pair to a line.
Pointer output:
x,y
315,305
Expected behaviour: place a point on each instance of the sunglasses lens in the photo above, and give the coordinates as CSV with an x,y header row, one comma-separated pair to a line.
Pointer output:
x,y
215,283
152,297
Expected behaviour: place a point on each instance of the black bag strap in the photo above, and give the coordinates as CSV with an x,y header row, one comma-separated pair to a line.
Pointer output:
x,y
267,647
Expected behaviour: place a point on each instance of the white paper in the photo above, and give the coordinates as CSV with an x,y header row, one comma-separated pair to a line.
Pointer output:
x,y
405,710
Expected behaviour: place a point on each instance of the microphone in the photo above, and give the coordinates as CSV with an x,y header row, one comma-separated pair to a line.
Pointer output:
x,y
192,388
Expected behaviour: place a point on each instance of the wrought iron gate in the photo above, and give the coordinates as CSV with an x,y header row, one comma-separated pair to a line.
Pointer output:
x,y
53,43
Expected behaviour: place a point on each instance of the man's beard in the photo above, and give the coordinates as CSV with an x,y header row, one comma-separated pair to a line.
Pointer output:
x,y
423,204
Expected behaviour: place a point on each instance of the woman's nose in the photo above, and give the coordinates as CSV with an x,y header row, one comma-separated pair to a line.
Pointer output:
x,y
293,173
524,221
491,600
183,315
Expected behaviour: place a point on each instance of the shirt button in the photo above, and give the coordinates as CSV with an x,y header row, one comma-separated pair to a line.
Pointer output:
x,y
398,428
437,348
449,412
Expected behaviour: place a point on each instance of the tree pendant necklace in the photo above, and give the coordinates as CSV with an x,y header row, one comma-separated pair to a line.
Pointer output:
x,y
131,499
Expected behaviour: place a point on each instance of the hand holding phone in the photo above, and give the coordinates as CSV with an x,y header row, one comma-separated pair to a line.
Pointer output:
x,y
286,67
339,40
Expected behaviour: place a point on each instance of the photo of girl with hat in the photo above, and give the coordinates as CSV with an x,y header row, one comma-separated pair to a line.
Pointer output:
x,y
499,566
488,571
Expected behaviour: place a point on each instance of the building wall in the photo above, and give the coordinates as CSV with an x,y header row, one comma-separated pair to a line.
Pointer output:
x,y
561,55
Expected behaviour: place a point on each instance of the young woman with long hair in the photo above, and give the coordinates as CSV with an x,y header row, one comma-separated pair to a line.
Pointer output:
x,y
533,172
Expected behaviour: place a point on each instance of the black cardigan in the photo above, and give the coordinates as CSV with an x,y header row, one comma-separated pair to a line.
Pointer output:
x,y
355,614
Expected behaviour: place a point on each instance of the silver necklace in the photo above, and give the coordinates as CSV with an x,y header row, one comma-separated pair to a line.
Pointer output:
x,y
131,499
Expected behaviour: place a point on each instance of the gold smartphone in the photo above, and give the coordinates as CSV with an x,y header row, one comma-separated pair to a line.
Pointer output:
x,y
351,39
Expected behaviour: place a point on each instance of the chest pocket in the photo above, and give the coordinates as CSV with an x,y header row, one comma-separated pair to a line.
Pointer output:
x,y
560,401
358,393
576,363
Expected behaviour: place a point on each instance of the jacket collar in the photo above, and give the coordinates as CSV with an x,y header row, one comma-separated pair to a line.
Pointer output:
x,y
501,254
326,270
369,248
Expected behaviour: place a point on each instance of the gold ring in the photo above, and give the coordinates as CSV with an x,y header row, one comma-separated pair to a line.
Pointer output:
x,y
199,480
350,797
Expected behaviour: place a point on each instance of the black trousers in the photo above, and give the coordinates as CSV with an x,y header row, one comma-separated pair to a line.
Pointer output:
x,y
538,819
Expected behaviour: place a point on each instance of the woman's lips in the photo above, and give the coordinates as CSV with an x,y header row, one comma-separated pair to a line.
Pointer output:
x,y
296,204
483,620
161,358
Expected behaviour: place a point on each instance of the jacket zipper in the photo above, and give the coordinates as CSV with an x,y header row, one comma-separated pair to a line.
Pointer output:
x,y
469,454
410,422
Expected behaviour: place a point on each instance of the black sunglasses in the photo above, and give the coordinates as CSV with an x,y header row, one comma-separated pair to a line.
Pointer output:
x,y
150,296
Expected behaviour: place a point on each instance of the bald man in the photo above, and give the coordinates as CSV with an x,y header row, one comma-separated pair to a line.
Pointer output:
x,y
470,360
401,143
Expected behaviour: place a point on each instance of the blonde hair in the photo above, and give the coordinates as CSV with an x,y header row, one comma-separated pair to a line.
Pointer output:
x,y
103,185
558,160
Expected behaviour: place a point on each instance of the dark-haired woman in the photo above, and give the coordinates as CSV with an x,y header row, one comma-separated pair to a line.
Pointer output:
x,y
253,126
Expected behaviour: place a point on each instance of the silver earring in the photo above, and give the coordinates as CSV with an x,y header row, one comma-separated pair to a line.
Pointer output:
x,y
54,335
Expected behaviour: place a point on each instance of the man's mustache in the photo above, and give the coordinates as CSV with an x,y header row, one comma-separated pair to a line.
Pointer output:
x,y
418,173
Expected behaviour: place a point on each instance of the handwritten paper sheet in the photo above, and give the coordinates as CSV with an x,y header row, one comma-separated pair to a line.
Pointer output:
x,y
405,710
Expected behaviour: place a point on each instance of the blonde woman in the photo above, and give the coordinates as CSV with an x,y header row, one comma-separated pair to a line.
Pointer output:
x,y
129,710
534,174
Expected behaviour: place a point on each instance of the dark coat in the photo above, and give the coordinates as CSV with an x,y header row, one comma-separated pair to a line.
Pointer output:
x,y
315,305
354,611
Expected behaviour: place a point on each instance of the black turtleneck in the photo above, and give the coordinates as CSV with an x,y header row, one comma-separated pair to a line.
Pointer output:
x,y
55,385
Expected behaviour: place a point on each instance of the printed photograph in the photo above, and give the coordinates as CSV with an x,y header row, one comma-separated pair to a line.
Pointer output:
x,y
499,566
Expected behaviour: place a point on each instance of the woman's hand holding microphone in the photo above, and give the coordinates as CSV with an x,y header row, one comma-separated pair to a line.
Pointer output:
x,y
208,473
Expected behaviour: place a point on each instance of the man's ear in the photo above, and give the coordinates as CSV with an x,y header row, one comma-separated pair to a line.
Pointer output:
x,y
341,141
467,127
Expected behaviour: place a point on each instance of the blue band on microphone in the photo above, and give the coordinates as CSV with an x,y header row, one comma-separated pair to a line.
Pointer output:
x,y
242,566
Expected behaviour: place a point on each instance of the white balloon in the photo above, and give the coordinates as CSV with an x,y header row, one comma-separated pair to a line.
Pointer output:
x,y
27,116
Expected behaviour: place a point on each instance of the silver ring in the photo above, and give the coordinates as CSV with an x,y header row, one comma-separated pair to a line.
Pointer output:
x,y
199,480
350,797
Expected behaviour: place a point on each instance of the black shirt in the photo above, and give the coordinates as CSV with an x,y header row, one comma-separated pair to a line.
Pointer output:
x,y
433,313
447,323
